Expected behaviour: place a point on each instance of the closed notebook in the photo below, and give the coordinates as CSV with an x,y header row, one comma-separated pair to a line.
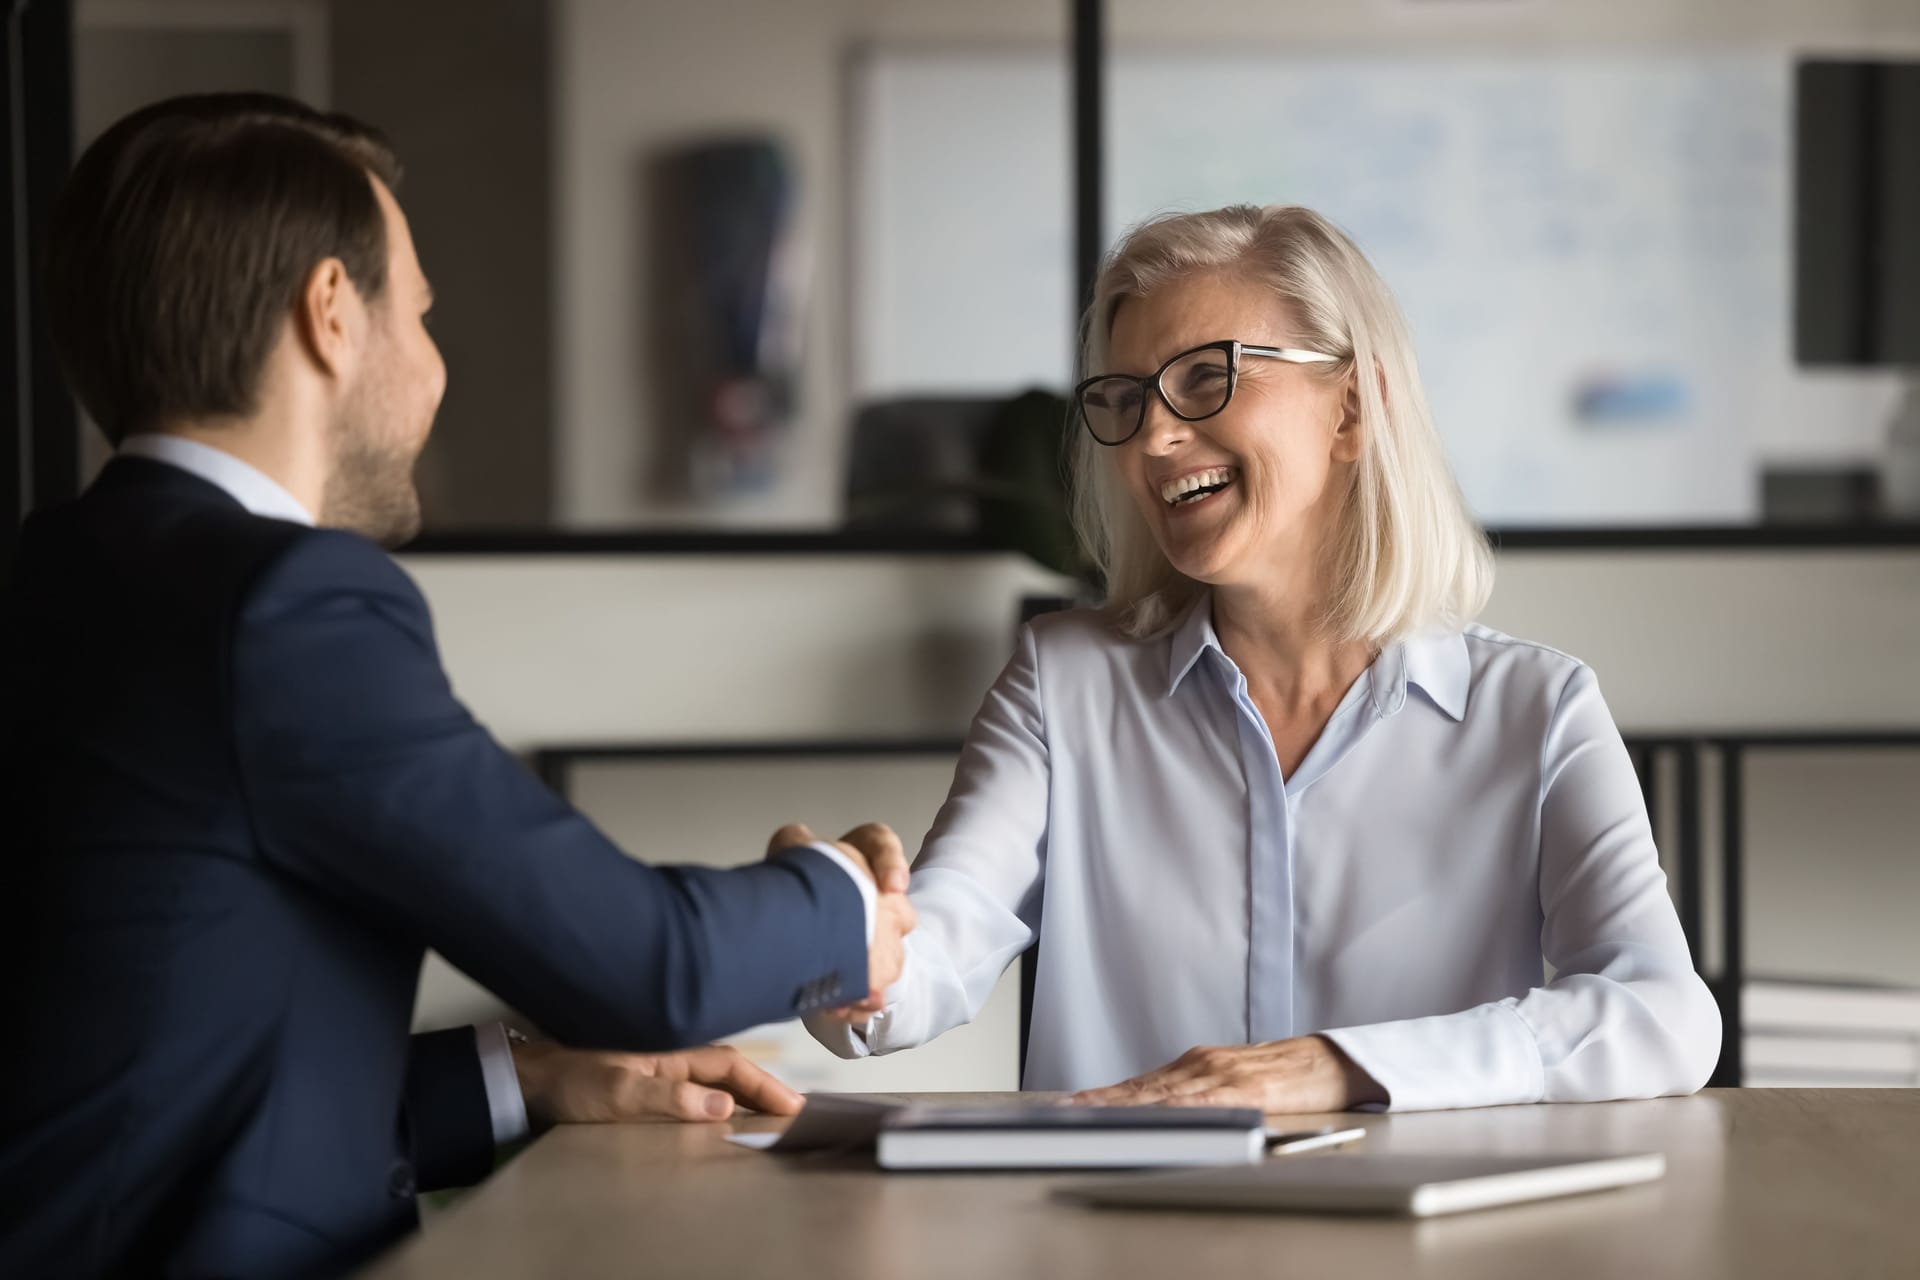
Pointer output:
x,y
1057,1137
1416,1185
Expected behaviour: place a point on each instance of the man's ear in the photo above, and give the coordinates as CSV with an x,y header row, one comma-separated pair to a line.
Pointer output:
x,y
329,318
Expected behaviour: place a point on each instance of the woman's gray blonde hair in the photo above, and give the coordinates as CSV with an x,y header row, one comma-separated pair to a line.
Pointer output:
x,y
1407,555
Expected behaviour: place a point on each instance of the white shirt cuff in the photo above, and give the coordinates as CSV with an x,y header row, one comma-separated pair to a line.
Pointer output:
x,y
861,881
1485,1056
504,1101
838,1038
857,1040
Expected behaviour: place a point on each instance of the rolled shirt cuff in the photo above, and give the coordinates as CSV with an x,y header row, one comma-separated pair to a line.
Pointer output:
x,y
1482,1057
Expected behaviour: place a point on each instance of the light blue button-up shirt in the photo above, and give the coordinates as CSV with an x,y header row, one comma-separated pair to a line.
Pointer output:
x,y
1468,817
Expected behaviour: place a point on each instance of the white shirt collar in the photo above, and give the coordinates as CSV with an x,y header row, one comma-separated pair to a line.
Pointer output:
x,y
1435,660
252,488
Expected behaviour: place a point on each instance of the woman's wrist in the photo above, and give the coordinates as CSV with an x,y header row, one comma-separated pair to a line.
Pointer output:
x,y
1354,1085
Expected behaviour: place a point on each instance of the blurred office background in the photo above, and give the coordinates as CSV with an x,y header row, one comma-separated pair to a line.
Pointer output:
x,y
756,313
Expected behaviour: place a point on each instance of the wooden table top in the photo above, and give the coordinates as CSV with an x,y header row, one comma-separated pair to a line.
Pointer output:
x,y
1760,1182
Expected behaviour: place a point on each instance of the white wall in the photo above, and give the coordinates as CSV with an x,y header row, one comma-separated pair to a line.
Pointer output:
x,y
631,77
680,649
1833,865
564,649
713,648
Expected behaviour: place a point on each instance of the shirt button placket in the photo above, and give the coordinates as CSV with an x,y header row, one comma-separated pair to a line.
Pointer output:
x,y
1269,881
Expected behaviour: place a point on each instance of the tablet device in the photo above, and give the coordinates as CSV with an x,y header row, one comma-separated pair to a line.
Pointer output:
x,y
1416,1185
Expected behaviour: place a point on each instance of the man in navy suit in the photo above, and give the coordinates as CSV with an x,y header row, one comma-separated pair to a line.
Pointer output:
x,y
241,799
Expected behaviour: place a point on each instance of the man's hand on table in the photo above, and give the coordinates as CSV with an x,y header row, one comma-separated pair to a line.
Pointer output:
x,y
876,848
586,1086
1306,1073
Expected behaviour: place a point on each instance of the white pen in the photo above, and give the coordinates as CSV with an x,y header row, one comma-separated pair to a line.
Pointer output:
x,y
1281,1144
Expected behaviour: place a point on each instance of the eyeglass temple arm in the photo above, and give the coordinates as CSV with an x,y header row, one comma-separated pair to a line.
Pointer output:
x,y
1293,355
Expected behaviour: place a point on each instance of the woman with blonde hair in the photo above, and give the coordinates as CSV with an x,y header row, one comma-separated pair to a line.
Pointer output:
x,y
1281,796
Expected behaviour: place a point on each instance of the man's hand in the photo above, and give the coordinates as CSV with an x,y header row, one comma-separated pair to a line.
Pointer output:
x,y
584,1086
875,847
1306,1073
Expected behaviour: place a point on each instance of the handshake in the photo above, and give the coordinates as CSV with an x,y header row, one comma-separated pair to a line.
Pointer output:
x,y
585,1086
877,850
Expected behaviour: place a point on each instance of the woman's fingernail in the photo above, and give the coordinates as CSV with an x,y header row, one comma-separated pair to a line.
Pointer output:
x,y
717,1106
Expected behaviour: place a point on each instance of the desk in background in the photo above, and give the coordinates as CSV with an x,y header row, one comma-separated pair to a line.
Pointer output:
x,y
1689,754
1760,1183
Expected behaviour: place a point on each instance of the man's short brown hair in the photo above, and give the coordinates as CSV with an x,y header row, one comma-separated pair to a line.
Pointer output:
x,y
183,239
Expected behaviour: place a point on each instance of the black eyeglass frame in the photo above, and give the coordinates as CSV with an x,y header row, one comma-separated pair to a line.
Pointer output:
x,y
1151,383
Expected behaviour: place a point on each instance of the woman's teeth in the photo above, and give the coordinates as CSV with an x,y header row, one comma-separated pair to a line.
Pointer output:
x,y
1196,486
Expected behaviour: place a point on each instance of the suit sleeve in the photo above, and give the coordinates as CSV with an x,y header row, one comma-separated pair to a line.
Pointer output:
x,y
448,1120
371,782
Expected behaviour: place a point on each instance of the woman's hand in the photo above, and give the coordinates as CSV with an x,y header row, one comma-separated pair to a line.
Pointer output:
x,y
583,1086
1306,1073
875,848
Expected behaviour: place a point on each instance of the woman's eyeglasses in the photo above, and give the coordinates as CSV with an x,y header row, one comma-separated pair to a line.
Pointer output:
x,y
1195,384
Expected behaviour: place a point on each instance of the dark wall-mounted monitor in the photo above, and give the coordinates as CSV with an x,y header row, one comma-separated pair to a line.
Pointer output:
x,y
1857,213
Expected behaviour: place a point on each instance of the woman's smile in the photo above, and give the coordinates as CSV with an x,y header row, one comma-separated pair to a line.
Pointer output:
x,y
1194,488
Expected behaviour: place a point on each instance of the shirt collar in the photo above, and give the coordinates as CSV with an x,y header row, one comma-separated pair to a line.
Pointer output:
x,y
1436,661
247,485
1191,637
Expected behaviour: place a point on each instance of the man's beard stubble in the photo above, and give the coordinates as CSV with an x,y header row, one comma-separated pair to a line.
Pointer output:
x,y
370,489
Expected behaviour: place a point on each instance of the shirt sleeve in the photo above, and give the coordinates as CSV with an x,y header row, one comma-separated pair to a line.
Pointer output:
x,y
506,1105
861,881
976,884
1625,1015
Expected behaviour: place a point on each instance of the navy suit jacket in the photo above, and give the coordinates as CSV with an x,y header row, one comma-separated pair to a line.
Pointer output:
x,y
239,800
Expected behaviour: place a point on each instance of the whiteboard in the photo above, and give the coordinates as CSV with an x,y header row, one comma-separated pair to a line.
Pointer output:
x,y
1592,250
